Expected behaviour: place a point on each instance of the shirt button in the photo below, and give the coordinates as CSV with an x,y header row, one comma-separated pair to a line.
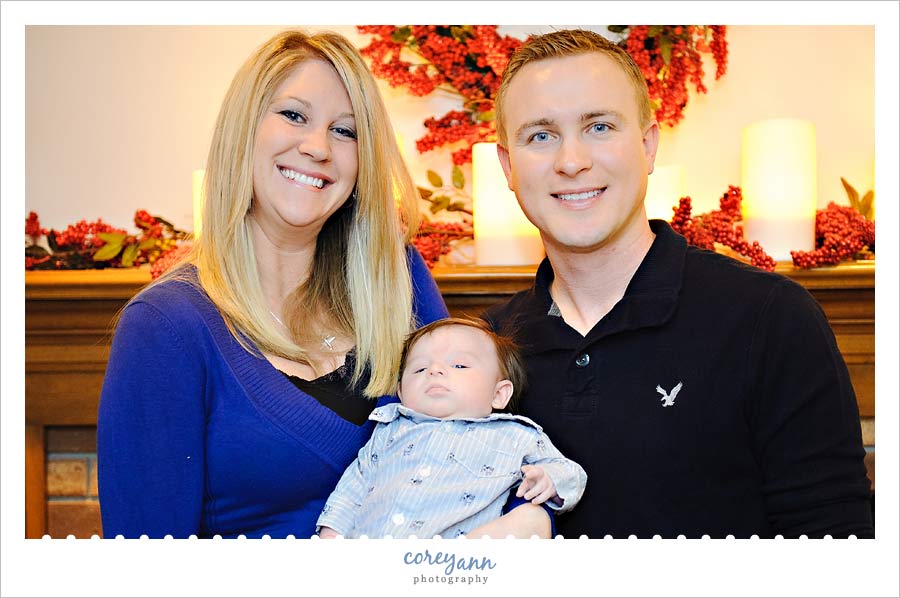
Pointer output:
x,y
582,360
425,471
398,518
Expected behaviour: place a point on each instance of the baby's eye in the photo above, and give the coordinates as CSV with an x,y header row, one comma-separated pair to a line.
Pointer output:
x,y
460,366
418,370
293,116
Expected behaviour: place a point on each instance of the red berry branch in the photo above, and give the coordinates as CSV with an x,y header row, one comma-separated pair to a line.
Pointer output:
x,y
841,233
669,57
97,245
467,60
720,226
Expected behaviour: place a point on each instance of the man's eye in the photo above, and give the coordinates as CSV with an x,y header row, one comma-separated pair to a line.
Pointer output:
x,y
540,137
293,116
600,127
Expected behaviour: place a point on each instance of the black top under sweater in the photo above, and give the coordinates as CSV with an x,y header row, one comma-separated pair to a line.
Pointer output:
x,y
762,435
334,391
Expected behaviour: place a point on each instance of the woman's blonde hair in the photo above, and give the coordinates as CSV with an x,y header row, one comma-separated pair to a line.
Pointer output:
x,y
359,283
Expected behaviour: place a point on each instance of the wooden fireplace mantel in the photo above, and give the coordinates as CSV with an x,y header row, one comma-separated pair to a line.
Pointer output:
x,y
68,316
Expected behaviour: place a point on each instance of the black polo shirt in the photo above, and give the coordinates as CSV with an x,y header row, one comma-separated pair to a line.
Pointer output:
x,y
712,399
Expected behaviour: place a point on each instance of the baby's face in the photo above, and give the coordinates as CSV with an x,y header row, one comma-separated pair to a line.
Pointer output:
x,y
453,373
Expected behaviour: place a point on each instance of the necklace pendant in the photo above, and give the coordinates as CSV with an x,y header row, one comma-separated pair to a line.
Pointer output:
x,y
327,341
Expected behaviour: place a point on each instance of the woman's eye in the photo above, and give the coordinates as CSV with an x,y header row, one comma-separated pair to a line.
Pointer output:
x,y
293,116
345,132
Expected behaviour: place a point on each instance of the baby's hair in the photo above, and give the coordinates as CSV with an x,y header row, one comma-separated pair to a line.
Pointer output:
x,y
512,367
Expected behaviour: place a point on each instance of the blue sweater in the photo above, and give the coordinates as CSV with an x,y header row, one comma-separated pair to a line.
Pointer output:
x,y
197,436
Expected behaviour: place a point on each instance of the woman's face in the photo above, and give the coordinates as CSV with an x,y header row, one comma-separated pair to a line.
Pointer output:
x,y
304,156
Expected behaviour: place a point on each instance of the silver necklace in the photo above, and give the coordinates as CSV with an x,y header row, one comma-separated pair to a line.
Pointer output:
x,y
327,340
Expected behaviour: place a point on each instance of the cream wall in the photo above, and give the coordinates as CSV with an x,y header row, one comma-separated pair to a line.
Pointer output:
x,y
118,117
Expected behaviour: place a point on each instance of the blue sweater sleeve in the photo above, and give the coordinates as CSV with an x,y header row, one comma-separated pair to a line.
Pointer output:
x,y
150,429
428,305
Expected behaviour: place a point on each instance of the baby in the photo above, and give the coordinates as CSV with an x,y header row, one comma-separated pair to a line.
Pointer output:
x,y
443,460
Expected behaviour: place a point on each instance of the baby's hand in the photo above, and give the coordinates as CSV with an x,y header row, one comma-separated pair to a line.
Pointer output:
x,y
326,533
536,486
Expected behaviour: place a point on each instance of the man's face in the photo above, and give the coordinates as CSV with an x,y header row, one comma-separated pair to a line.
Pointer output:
x,y
576,155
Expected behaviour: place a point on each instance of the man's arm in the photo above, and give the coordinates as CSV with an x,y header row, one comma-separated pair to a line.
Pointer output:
x,y
805,422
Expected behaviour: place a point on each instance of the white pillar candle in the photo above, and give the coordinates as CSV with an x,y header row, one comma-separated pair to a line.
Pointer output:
x,y
778,182
664,188
503,235
198,200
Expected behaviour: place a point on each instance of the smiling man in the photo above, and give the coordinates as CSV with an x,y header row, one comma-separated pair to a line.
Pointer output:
x,y
701,395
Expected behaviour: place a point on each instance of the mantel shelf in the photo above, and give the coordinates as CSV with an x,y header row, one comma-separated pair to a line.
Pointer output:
x,y
69,316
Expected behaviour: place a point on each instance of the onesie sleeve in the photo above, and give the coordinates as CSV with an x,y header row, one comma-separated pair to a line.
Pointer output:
x,y
568,476
345,501
150,429
805,422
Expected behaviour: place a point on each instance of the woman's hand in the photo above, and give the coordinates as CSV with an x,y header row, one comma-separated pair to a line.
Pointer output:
x,y
524,521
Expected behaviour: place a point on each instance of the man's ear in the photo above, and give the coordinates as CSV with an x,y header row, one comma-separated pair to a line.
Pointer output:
x,y
502,394
503,155
651,143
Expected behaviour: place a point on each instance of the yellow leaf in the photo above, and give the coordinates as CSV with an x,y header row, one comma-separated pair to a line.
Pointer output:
x,y
108,251
128,255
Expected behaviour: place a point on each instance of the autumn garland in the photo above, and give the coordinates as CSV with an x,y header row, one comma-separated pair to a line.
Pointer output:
x,y
469,61
98,245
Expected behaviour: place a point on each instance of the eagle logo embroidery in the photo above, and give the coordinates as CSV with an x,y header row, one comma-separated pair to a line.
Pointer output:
x,y
668,398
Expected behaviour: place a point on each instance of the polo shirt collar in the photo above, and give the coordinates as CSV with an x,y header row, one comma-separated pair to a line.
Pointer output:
x,y
650,298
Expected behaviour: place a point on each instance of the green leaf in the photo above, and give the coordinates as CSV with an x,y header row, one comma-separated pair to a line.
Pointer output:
x,y
851,192
108,251
617,28
665,48
654,30
456,206
459,179
401,34
147,244
434,178
439,203
112,237
460,34
424,193
128,255
51,241
36,251
866,204
486,116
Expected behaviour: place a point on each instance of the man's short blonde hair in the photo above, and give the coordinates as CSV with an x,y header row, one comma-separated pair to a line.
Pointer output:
x,y
570,42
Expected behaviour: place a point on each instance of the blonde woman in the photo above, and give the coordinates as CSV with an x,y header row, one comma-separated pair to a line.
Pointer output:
x,y
239,385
